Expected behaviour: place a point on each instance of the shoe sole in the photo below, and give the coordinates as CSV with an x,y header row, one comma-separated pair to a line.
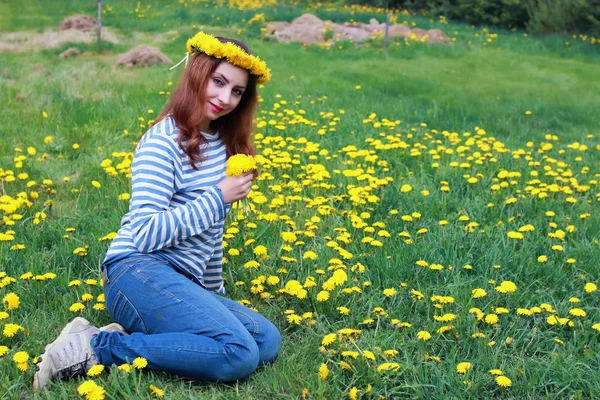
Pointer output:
x,y
63,335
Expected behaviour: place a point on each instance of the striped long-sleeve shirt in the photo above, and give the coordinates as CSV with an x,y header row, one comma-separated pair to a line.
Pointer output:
x,y
176,212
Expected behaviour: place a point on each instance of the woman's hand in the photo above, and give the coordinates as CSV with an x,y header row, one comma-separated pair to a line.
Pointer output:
x,y
235,188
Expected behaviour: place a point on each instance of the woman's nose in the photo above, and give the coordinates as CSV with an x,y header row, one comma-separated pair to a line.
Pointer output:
x,y
224,97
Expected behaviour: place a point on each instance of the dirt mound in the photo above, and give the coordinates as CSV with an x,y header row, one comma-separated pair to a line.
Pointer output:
x,y
309,29
70,52
78,22
141,56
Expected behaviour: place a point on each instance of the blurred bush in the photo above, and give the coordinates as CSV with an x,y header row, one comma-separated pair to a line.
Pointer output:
x,y
542,16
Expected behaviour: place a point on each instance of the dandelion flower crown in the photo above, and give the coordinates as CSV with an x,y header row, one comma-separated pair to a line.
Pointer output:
x,y
235,55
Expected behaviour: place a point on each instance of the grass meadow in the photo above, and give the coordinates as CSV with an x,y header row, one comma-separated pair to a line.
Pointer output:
x,y
425,224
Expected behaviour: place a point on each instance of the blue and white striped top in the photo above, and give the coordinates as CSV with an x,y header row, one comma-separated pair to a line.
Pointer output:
x,y
175,211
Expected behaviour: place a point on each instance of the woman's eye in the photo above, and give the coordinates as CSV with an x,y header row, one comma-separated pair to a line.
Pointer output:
x,y
237,92
217,81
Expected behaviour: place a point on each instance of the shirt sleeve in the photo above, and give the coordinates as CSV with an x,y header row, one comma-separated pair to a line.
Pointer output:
x,y
214,267
154,223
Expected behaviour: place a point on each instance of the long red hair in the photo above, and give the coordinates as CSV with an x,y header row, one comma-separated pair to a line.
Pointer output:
x,y
187,106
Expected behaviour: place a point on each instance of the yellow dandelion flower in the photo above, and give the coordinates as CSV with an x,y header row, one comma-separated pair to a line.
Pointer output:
x,y
496,372
343,310
406,188
140,363
273,280
323,371
11,301
95,370
4,351
21,357
503,381
388,367
289,237
423,335
26,276
577,312
506,287
239,164
369,355
156,391
251,264
328,339
11,330
463,367
76,307
515,235
124,367
323,295
391,353
590,287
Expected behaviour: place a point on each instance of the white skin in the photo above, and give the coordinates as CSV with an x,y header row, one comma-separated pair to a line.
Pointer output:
x,y
223,93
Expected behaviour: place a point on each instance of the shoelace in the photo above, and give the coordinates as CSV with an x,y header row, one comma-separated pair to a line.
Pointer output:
x,y
74,370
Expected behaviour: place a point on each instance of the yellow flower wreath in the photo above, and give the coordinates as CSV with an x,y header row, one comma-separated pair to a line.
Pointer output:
x,y
210,45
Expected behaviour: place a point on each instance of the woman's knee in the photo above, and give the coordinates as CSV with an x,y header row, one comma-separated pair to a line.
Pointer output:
x,y
243,358
269,342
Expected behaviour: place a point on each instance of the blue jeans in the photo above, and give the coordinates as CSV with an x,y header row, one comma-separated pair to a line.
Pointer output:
x,y
180,327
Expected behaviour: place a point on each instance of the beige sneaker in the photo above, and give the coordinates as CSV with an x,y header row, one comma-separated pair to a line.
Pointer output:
x,y
69,355
114,327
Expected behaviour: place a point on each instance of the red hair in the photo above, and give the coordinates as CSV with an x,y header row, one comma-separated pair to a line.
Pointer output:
x,y
187,108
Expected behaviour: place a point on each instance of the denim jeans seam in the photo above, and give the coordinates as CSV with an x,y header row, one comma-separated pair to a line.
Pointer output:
x,y
177,349
126,302
172,296
255,323
124,265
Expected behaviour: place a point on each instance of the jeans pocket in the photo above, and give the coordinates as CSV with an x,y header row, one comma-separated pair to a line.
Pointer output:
x,y
125,313
113,272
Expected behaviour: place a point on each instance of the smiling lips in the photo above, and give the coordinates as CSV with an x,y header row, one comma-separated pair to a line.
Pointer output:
x,y
216,109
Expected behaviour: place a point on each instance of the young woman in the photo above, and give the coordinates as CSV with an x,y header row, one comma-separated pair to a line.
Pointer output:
x,y
162,272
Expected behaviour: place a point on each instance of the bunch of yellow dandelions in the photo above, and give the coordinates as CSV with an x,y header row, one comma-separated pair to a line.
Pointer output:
x,y
238,165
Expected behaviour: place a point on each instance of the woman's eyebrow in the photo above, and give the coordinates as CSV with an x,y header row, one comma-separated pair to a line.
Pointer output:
x,y
227,80
223,77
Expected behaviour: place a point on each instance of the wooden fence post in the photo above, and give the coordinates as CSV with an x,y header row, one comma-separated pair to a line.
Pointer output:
x,y
385,38
99,21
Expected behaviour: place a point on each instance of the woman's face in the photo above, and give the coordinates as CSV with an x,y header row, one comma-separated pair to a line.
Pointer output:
x,y
224,90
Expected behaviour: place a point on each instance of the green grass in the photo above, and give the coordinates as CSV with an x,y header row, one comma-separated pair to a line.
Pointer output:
x,y
442,96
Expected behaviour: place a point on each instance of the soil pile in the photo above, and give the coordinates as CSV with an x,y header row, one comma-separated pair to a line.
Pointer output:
x,y
70,52
78,22
309,29
141,56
